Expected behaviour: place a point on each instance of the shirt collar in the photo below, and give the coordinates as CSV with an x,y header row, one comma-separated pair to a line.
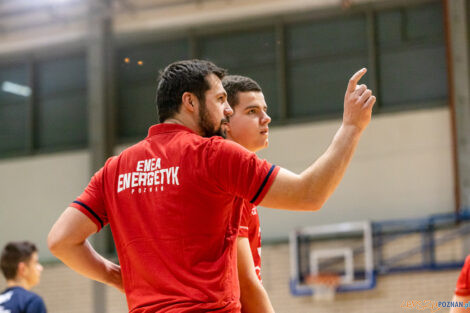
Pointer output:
x,y
167,128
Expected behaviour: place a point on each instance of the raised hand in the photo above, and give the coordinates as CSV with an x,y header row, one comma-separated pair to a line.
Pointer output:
x,y
358,102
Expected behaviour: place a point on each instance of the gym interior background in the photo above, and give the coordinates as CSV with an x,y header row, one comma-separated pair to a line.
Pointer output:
x,y
78,83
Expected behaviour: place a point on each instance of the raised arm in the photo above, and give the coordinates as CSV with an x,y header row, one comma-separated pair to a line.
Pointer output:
x,y
67,240
310,190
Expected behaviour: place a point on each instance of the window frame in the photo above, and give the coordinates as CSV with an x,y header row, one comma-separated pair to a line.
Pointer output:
x,y
31,61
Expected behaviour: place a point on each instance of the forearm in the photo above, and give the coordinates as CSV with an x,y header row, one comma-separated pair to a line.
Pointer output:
x,y
83,259
320,180
254,298
67,240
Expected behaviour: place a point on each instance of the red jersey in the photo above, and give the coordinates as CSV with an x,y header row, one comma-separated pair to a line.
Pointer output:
x,y
463,283
249,227
169,202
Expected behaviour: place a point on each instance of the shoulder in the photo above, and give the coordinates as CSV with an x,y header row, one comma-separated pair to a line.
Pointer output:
x,y
217,148
25,296
217,141
109,162
229,145
35,303
229,150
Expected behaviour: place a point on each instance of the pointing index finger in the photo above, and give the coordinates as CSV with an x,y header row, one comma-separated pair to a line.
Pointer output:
x,y
355,79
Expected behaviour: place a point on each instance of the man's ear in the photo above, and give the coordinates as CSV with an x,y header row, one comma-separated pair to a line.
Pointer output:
x,y
21,269
189,101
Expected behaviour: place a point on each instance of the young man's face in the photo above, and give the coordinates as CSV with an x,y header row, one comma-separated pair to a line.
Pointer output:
x,y
32,269
248,125
214,110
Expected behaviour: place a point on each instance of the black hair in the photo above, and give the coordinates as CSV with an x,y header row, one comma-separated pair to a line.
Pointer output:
x,y
180,77
233,84
13,254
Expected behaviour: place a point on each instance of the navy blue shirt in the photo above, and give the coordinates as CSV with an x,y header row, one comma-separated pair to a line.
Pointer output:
x,y
20,300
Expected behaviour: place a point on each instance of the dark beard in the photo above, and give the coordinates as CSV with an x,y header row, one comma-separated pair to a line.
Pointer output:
x,y
208,129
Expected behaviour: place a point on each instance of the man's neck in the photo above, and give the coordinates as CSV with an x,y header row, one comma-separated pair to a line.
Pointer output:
x,y
173,121
18,283
179,120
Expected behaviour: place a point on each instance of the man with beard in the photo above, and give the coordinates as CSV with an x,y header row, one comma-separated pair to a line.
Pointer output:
x,y
169,198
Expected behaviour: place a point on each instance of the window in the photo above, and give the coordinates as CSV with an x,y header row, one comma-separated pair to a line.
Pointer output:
x,y
412,56
321,56
138,73
15,97
62,103
251,54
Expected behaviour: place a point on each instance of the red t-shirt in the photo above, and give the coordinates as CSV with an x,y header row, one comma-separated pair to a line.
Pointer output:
x,y
463,283
169,202
249,227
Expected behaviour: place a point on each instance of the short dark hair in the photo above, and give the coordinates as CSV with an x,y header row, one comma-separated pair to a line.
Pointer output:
x,y
233,84
13,254
180,77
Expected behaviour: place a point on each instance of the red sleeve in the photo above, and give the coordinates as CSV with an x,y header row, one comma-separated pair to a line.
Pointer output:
x,y
91,201
241,172
244,222
463,283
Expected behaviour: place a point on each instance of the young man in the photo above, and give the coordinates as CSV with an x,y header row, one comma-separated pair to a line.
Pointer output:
x,y
169,198
248,126
22,271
